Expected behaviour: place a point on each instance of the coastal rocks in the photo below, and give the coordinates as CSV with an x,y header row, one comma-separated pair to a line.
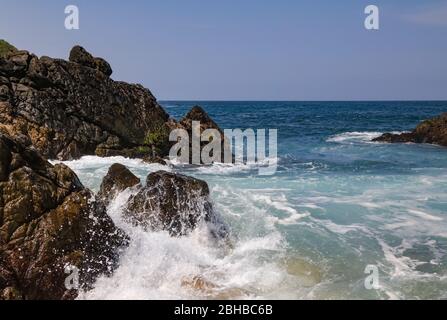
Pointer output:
x,y
432,131
118,179
171,202
49,221
197,114
79,55
68,109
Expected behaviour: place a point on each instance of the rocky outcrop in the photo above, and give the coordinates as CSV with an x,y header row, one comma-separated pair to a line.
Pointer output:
x,y
432,131
198,114
206,122
67,109
49,221
118,179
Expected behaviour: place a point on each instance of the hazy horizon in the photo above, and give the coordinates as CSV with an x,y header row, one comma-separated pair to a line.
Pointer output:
x,y
252,51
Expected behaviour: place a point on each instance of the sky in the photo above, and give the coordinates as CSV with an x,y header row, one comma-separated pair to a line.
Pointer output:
x,y
249,49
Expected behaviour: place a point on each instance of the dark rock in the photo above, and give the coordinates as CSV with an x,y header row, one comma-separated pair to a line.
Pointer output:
x,y
72,108
118,179
79,55
432,131
171,202
198,114
48,221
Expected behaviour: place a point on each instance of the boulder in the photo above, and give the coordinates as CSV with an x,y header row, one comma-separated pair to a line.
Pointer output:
x,y
118,179
432,131
171,202
48,222
197,113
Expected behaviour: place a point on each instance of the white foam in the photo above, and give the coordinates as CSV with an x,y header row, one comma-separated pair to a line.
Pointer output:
x,y
356,137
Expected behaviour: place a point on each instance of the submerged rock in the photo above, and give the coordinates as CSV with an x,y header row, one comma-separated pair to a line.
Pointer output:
x,y
432,131
118,179
49,221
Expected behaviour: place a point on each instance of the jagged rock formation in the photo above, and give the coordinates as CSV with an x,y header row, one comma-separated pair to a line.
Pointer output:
x,y
48,221
198,114
118,179
430,131
68,109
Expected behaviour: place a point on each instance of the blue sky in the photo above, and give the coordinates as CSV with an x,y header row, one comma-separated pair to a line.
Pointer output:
x,y
250,49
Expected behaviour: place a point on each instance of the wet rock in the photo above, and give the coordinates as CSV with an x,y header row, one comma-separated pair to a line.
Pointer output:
x,y
118,179
49,221
432,131
171,202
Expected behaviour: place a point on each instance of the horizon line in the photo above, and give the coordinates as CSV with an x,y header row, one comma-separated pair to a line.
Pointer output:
x,y
269,100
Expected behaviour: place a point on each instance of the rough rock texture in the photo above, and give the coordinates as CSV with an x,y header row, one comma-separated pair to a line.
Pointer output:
x,y
118,179
198,114
171,202
48,220
79,55
430,131
67,109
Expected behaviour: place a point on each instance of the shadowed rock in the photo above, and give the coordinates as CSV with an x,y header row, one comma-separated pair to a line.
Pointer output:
x,y
48,221
432,131
118,179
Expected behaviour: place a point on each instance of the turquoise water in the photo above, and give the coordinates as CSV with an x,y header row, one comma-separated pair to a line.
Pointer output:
x,y
337,203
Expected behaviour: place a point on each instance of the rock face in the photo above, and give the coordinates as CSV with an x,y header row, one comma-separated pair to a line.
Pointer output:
x,y
170,202
430,131
118,179
67,109
49,221
198,114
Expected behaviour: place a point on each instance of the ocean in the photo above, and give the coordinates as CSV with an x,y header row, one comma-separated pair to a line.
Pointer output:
x,y
337,205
